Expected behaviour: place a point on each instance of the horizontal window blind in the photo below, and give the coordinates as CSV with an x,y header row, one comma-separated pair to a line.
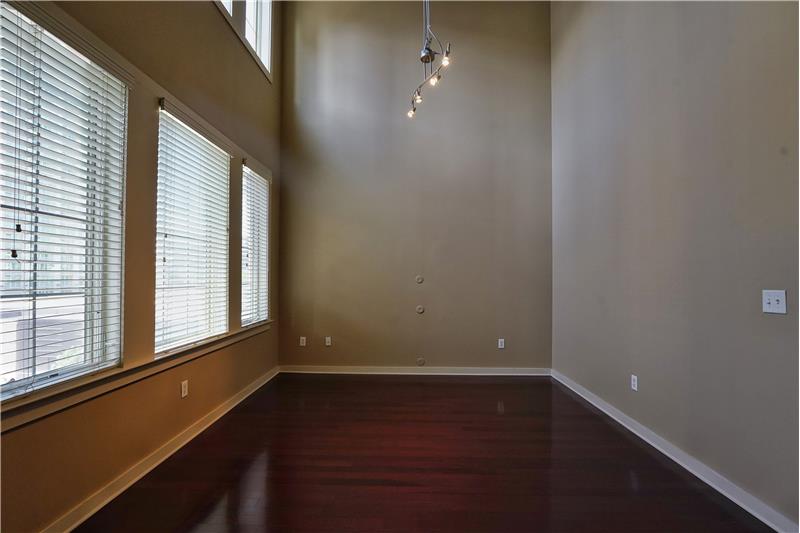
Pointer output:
x,y
255,256
192,236
62,151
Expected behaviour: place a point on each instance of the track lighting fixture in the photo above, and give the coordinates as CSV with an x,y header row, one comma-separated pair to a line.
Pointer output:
x,y
432,73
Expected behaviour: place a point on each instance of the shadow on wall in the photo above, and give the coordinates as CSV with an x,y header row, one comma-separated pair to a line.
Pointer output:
x,y
371,199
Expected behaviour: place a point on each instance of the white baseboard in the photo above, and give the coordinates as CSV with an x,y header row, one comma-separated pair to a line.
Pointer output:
x,y
416,370
78,514
738,495
727,488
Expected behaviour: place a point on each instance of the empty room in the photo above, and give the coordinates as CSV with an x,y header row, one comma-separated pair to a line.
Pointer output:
x,y
399,267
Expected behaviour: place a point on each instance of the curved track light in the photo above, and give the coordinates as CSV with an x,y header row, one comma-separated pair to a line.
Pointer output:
x,y
432,73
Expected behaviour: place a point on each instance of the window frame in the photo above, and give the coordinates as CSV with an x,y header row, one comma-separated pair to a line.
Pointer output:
x,y
188,119
72,375
138,360
265,174
236,20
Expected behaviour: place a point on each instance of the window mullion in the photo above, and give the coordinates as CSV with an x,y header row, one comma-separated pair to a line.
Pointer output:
x,y
63,285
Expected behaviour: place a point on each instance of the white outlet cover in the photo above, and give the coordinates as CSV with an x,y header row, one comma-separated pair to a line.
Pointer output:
x,y
773,302
328,341
501,344
302,341
184,388
634,382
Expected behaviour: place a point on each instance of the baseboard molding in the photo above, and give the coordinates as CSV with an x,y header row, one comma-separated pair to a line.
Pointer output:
x,y
416,370
78,514
767,514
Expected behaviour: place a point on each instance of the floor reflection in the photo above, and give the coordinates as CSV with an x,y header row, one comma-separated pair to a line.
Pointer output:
x,y
381,454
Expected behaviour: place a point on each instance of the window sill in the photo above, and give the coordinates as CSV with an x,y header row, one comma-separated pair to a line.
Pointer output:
x,y
25,409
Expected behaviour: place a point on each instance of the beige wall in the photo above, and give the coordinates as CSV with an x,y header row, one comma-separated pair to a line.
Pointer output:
x,y
674,203
459,195
52,464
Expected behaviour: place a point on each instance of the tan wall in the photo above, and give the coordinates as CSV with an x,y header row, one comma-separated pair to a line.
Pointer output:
x,y
459,195
674,203
52,464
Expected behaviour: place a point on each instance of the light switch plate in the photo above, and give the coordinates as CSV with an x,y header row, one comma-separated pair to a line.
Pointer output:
x,y
328,341
501,344
302,341
184,388
773,302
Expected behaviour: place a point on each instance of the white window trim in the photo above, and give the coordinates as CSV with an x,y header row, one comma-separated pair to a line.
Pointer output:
x,y
78,38
237,23
52,20
199,127
265,173
134,365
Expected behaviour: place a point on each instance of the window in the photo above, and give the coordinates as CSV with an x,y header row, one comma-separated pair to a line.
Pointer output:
x,y
252,22
255,235
191,236
258,29
62,154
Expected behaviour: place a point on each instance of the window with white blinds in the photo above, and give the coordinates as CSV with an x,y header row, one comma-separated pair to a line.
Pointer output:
x,y
255,242
192,236
62,153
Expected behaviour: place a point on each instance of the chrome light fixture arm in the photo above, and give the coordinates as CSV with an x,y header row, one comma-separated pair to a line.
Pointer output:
x,y
431,72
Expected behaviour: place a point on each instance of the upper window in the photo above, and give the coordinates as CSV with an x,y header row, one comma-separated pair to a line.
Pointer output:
x,y
258,29
62,146
255,242
252,21
191,237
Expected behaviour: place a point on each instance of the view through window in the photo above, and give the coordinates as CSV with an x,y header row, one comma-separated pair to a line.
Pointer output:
x,y
62,138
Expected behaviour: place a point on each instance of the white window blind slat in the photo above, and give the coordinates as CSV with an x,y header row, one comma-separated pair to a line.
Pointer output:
x,y
192,236
255,252
62,157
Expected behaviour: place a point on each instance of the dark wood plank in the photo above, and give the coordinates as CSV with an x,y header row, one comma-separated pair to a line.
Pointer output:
x,y
322,453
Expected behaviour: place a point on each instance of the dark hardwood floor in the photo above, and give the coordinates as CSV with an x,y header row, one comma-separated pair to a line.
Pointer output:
x,y
332,453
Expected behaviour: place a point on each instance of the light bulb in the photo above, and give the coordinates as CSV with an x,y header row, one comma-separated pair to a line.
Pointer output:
x,y
418,98
435,80
411,112
445,61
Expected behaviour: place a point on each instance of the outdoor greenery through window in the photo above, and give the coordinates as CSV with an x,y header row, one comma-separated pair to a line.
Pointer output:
x,y
62,138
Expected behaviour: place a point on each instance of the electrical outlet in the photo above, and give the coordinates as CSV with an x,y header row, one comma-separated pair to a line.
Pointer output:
x,y
302,341
501,344
328,341
773,302
634,382
184,388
